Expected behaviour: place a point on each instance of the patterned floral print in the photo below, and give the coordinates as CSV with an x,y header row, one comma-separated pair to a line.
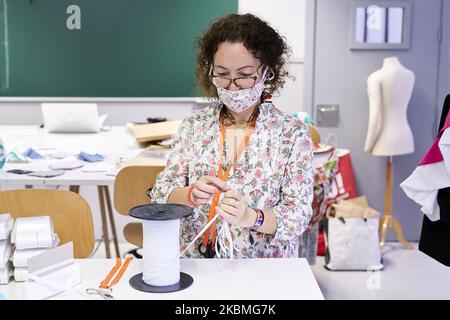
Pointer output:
x,y
241,100
274,172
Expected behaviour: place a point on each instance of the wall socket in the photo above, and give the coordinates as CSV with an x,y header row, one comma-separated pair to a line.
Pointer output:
x,y
327,115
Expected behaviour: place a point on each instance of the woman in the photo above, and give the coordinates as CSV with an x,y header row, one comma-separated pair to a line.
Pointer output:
x,y
241,158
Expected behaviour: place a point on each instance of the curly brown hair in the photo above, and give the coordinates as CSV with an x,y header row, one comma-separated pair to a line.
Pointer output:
x,y
257,36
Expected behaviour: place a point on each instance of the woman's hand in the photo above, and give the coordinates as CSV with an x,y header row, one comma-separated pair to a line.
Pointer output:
x,y
206,187
234,209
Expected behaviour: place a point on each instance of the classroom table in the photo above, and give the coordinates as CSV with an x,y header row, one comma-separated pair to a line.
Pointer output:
x,y
214,279
117,145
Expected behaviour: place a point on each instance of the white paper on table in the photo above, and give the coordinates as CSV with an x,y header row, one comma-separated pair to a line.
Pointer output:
x,y
52,273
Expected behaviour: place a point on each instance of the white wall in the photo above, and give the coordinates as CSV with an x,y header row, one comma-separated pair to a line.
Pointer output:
x,y
287,16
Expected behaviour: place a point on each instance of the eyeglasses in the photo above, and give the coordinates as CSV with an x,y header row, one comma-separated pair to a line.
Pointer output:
x,y
239,82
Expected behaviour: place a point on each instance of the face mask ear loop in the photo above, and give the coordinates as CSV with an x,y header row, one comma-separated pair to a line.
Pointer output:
x,y
271,74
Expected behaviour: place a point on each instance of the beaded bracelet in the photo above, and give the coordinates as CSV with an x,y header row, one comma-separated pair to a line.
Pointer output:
x,y
259,220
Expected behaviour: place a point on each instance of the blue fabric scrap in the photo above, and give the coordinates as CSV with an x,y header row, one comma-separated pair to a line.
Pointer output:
x,y
32,154
90,157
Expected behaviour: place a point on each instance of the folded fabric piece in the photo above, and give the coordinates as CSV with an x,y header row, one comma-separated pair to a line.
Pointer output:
x,y
66,165
6,224
431,174
90,157
32,154
59,155
5,274
46,174
14,156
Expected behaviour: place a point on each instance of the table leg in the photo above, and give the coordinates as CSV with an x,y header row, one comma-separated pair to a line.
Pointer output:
x,y
104,222
111,220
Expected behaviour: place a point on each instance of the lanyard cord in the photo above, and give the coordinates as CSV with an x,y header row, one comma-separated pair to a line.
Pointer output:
x,y
224,177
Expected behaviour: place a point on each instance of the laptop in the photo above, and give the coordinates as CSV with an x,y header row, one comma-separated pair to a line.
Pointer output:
x,y
71,117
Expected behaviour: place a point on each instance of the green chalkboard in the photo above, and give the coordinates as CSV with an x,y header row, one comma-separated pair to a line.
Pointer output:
x,y
123,48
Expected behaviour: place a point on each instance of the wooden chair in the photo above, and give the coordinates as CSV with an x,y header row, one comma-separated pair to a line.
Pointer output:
x,y
71,214
130,190
315,136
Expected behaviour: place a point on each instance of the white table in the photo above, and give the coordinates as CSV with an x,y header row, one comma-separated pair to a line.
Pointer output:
x,y
214,279
117,143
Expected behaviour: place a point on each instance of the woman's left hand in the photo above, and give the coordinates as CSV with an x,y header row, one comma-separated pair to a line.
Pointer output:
x,y
234,209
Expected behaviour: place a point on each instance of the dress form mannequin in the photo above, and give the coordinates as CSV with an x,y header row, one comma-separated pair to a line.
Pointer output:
x,y
389,134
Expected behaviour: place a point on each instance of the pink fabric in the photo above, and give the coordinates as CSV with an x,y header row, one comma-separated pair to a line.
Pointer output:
x,y
434,154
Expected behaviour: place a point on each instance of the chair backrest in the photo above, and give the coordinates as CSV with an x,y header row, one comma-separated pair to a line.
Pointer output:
x,y
70,213
315,136
131,185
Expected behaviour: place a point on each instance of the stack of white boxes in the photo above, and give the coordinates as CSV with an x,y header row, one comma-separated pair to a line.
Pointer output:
x,y
31,236
6,224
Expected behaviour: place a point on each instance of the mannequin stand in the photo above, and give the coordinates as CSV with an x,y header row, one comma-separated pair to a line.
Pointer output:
x,y
388,221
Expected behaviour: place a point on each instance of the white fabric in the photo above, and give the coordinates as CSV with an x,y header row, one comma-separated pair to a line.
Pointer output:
x,y
20,257
353,245
5,274
444,146
46,284
66,164
161,249
33,232
6,224
423,184
5,252
20,274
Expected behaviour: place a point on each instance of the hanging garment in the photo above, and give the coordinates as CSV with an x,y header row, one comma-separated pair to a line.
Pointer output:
x,y
435,235
431,174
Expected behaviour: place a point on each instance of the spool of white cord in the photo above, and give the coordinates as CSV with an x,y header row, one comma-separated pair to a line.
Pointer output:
x,y
161,248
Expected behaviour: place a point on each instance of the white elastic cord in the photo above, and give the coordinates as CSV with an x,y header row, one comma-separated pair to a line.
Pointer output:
x,y
33,232
224,238
199,234
224,233
170,264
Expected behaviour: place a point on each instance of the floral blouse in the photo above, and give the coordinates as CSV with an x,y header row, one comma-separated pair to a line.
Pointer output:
x,y
274,172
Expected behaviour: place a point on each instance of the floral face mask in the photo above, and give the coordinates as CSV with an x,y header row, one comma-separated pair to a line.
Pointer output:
x,y
242,100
